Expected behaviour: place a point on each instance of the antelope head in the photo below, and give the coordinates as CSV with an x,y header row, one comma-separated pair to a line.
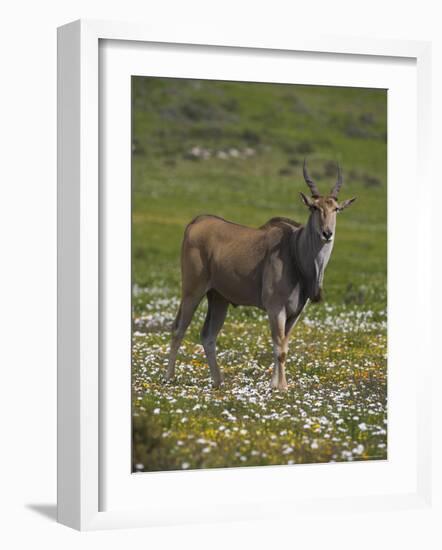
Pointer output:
x,y
323,209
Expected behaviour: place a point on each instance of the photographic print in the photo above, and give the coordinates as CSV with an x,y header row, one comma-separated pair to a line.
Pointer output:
x,y
259,274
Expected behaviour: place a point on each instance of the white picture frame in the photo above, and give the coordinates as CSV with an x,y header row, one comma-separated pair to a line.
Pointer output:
x,y
80,265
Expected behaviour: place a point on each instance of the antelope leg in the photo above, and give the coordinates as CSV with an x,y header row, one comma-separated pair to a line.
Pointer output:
x,y
280,348
185,313
216,314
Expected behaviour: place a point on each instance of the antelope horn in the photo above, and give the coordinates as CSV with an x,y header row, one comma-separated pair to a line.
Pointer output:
x,y
310,182
335,191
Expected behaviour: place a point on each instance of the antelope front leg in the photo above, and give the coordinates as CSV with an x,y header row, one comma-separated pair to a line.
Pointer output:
x,y
280,348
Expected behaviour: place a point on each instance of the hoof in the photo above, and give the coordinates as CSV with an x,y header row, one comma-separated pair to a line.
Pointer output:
x,y
279,386
218,382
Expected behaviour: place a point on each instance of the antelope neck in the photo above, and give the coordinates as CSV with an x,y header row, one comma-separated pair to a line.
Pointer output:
x,y
311,255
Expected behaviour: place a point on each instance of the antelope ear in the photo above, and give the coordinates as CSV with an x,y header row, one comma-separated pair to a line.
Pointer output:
x,y
346,203
306,200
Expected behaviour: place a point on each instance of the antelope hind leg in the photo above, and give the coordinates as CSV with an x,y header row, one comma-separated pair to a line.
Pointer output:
x,y
216,314
184,316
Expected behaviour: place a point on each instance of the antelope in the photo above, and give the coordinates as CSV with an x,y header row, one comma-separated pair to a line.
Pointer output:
x,y
278,267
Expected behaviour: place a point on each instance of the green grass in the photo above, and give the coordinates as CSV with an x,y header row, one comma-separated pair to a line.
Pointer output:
x,y
255,137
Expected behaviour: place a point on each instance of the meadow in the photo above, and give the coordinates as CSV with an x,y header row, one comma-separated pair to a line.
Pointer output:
x,y
236,150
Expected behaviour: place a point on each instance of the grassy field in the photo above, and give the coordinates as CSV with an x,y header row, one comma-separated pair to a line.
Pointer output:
x,y
236,150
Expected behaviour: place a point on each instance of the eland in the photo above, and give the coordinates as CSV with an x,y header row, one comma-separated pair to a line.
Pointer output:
x,y
278,267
